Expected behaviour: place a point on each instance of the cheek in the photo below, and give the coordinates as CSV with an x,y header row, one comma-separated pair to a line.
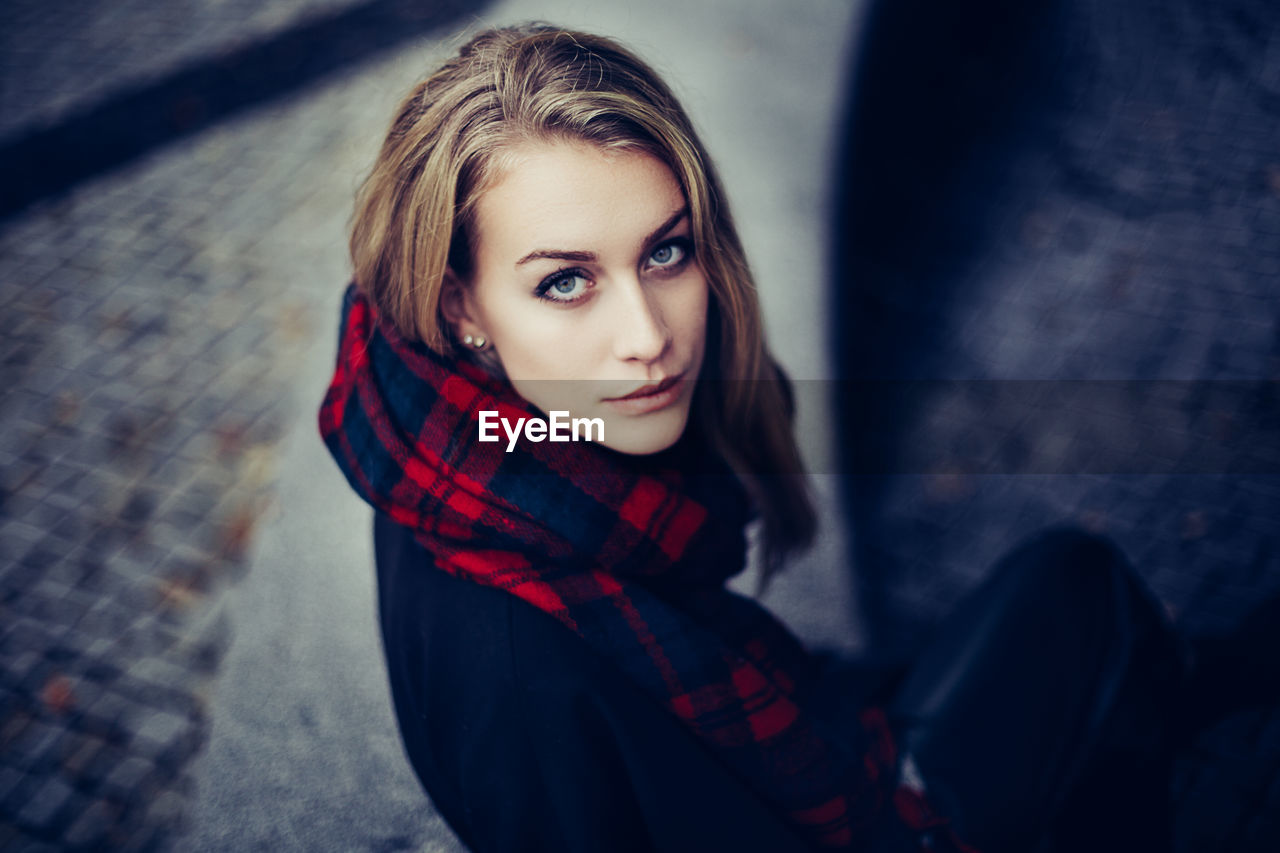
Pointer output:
x,y
688,311
544,356
535,342
528,352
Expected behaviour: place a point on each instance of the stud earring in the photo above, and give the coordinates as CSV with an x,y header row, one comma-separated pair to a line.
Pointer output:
x,y
477,341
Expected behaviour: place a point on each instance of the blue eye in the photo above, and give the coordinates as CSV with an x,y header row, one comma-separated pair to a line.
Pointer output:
x,y
670,254
563,286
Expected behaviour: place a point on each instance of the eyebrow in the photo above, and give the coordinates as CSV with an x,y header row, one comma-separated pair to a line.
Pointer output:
x,y
589,257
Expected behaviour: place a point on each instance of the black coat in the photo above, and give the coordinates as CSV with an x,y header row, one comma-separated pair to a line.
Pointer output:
x,y
525,739
1036,706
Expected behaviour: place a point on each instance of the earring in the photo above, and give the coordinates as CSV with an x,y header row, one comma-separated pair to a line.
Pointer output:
x,y
478,341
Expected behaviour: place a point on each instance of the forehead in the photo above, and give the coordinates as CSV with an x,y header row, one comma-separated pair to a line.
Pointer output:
x,y
573,196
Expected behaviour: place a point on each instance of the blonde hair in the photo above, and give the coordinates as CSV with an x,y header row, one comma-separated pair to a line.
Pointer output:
x,y
414,220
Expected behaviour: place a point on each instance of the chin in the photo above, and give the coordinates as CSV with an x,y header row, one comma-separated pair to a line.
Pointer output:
x,y
641,436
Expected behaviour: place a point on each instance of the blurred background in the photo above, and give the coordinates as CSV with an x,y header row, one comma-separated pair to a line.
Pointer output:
x,y
1040,191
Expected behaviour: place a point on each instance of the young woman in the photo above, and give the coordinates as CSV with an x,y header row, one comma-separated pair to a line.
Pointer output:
x,y
543,246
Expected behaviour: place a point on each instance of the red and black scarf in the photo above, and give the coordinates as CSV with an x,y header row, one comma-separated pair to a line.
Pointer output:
x,y
630,553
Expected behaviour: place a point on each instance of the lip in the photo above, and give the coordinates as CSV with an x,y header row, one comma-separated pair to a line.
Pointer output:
x,y
649,398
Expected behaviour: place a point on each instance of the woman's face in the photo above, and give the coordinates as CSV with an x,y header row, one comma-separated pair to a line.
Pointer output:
x,y
585,282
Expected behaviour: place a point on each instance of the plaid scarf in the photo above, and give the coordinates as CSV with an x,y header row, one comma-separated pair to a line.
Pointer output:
x,y
630,553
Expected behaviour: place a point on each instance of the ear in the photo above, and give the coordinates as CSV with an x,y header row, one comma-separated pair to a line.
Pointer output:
x,y
457,306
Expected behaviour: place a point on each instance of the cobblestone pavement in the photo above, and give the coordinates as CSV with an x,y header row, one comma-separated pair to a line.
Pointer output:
x,y
64,54
148,345
152,326
192,67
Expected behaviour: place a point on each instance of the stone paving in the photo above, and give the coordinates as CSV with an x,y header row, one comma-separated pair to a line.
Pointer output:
x,y
151,329
60,55
154,321
143,384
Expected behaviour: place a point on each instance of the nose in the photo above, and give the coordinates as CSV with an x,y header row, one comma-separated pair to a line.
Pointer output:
x,y
640,333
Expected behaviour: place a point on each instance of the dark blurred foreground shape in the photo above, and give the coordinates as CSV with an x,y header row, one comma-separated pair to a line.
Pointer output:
x,y
1085,197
